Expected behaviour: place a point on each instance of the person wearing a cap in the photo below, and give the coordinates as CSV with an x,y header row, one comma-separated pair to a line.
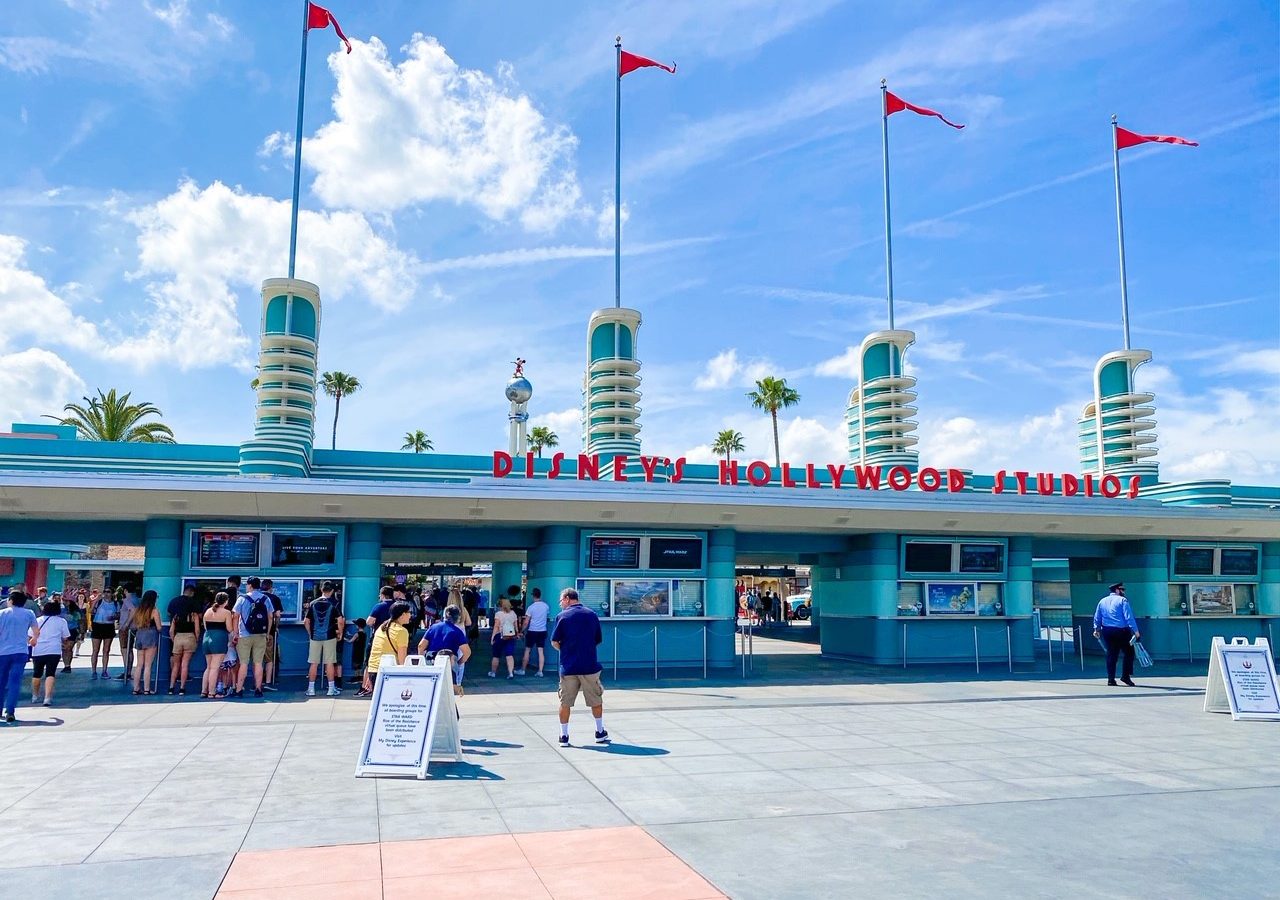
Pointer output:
x,y
1114,624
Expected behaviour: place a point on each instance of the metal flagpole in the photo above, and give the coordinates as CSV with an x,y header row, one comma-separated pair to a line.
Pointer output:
x,y
1124,282
888,232
297,140
617,183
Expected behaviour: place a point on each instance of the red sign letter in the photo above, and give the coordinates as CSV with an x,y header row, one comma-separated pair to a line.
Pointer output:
x,y
1110,486
650,465
837,475
555,465
930,480
810,476
899,478
1022,481
955,480
1070,485
588,467
998,486
728,472
754,476
502,464
1044,482
1134,482
868,477
787,480
620,468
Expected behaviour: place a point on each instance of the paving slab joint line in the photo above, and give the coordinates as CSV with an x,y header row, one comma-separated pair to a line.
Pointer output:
x,y
258,806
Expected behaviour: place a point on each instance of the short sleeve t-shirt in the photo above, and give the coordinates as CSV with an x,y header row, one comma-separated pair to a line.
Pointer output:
x,y
537,613
322,615
181,608
505,623
244,606
53,631
380,613
15,623
387,640
578,632
445,636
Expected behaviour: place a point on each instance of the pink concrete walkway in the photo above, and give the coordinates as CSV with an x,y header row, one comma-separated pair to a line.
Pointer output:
x,y
619,863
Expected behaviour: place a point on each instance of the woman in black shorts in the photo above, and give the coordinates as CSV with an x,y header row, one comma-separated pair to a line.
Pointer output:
x,y
47,652
103,612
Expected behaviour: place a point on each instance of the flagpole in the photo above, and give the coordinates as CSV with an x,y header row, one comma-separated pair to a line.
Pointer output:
x,y
297,141
617,176
1124,280
888,232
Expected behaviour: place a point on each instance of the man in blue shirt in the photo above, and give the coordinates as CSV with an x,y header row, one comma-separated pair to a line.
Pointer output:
x,y
1114,624
448,637
576,636
18,631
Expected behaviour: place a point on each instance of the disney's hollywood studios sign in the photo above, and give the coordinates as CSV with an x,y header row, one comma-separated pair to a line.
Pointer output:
x,y
758,473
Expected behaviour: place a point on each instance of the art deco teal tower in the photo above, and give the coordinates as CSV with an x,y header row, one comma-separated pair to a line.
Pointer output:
x,y
285,416
881,406
1115,430
610,398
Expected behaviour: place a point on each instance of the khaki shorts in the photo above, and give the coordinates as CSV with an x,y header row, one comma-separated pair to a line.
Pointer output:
x,y
323,652
184,642
589,685
272,655
251,648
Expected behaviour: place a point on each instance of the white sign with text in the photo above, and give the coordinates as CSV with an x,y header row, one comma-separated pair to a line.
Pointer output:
x,y
412,718
1242,680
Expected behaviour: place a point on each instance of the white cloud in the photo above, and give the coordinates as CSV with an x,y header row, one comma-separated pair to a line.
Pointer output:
x,y
725,369
801,439
199,246
29,308
427,130
34,383
604,219
277,143
566,424
1265,362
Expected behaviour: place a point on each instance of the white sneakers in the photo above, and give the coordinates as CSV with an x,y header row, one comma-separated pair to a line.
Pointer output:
x,y
311,690
333,691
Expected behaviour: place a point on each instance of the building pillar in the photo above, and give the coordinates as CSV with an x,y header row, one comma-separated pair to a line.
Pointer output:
x,y
506,575
721,598
1269,588
859,596
1018,600
162,569
364,569
553,564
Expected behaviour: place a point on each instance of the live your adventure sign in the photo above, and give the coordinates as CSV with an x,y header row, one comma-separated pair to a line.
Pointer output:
x,y
594,467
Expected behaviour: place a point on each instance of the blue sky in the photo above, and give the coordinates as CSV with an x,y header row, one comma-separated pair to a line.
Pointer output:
x,y
457,191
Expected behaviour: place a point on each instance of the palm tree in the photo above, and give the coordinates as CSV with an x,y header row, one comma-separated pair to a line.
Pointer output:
x,y
338,385
542,436
111,417
726,442
772,394
417,441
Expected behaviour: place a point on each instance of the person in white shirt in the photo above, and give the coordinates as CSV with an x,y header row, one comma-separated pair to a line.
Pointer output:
x,y
535,632
46,653
506,624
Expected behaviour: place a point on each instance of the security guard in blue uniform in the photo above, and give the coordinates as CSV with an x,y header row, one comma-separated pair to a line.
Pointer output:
x,y
1114,623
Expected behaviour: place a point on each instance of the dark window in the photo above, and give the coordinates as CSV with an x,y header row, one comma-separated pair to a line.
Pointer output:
x,y
927,557
1239,561
675,553
1193,561
981,558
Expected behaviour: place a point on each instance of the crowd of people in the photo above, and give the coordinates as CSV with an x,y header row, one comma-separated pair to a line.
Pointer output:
x,y
237,630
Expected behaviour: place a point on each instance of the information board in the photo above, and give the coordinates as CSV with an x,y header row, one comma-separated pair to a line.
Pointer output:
x,y
412,718
593,593
615,552
1242,680
226,549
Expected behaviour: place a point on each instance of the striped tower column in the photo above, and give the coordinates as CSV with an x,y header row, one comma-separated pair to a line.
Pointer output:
x,y
609,387
285,416
1116,431
880,408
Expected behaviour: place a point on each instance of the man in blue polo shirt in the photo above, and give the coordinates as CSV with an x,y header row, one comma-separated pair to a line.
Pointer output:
x,y
1114,624
576,636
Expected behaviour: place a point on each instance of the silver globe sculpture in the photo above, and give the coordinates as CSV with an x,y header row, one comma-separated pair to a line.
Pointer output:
x,y
519,390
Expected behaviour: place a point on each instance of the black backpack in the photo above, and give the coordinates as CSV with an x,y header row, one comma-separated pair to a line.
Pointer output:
x,y
259,616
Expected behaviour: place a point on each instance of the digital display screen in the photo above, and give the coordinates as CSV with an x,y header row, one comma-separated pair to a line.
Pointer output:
x,y
925,557
615,553
675,553
226,549
981,558
304,549
1239,561
1193,561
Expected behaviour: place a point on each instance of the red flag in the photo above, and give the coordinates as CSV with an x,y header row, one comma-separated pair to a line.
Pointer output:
x,y
319,17
1127,138
893,103
629,62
